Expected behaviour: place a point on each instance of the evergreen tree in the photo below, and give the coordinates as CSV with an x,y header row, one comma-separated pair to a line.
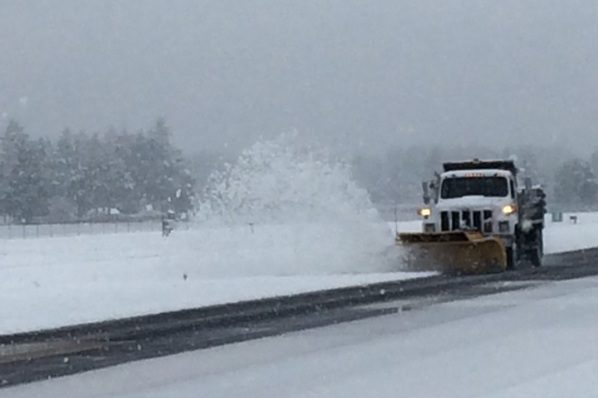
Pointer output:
x,y
163,173
97,173
126,191
25,191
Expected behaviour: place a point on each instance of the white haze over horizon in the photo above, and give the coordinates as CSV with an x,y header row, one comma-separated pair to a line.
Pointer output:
x,y
353,74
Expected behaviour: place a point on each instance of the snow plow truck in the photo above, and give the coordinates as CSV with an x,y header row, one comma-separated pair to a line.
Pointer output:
x,y
477,219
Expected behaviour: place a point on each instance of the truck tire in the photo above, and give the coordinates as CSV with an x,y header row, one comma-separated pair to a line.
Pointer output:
x,y
510,258
535,258
536,253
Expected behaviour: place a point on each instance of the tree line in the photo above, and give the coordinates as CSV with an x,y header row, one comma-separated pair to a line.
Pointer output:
x,y
79,176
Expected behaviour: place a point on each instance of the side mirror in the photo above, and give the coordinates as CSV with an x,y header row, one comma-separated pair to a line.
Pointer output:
x,y
426,191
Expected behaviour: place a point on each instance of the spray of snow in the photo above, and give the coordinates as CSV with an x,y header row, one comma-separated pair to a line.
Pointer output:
x,y
299,209
282,181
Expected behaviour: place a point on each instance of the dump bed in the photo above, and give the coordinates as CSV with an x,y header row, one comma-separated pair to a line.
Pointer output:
x,y
476,164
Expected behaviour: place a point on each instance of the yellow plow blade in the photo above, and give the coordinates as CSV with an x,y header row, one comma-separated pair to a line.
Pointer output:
x,y
459,251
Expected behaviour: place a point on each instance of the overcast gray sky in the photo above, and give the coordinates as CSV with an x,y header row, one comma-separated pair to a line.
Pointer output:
x,y
350,72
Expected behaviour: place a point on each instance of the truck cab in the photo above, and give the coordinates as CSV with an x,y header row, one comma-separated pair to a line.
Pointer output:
x,y
483,196
485,200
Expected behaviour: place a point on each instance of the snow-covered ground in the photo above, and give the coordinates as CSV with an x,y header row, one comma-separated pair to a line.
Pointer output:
x,y
285,218
529,343
566,235
51,282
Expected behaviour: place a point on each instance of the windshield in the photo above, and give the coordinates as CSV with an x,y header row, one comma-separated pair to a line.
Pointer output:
x,y
474,186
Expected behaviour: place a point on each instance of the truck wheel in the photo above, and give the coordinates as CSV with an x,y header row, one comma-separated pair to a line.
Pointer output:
x,y
536,257
536,254
510,258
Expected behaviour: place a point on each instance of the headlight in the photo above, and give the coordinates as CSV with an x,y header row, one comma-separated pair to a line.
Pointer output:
x,y
425,212
503,226
509,209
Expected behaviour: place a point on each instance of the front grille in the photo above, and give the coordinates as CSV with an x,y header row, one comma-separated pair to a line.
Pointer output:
x,y
480,220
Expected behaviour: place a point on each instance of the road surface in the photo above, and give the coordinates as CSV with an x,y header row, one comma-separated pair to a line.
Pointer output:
x,y
540,341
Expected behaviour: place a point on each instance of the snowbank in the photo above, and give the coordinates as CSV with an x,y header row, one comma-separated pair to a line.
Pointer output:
x,y
566,235
52,282
284,219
